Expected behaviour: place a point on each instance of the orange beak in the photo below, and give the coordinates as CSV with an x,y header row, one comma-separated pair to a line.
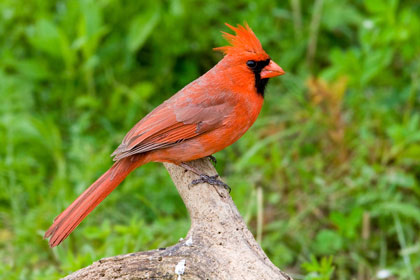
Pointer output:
x,y
271,70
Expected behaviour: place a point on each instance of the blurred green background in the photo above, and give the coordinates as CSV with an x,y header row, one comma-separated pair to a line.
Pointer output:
x,y
328,179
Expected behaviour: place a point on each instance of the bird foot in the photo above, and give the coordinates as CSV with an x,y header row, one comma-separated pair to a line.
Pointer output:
x,y
212,180
213,159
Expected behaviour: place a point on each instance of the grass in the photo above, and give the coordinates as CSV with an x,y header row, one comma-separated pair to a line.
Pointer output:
x,y
328,178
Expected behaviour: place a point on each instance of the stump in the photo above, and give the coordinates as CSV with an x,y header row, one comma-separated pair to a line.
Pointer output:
x,y
218,244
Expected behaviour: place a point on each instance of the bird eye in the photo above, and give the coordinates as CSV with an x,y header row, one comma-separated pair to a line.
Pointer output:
x,y
251,63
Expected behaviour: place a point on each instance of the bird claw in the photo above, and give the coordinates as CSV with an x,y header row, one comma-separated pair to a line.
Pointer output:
x,y
212,180
212,159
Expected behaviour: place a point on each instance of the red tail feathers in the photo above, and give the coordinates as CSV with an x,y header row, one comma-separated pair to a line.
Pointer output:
x,y
67,221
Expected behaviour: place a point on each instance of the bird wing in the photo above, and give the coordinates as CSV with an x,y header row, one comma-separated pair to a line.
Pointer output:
x,y
174,121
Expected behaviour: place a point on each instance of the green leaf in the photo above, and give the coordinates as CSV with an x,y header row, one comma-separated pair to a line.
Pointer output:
x,y
404,209
322,270
347,224
141,27
327,242
45,36
33,69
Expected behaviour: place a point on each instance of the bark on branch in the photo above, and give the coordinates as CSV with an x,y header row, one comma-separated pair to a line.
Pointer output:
x,y
218,244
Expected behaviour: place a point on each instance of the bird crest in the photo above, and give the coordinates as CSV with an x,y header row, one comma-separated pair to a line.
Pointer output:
x,y
244,41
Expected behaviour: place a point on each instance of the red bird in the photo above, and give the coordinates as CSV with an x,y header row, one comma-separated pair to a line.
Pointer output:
x,y
203,118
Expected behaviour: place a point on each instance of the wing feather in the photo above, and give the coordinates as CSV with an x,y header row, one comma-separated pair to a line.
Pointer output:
x,y
173,122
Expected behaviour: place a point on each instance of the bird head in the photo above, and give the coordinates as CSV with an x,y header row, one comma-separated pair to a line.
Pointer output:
x,y
246,55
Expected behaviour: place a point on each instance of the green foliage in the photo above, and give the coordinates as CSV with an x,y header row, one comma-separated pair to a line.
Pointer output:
x,y
336,150
322,270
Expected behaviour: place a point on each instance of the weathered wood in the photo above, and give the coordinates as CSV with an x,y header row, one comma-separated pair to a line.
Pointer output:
x,y
218,244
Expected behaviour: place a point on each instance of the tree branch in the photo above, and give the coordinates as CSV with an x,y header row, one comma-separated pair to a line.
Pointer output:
x,y
218,244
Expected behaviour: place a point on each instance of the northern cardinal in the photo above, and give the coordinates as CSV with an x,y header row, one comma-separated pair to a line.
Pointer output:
x,y
203,118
